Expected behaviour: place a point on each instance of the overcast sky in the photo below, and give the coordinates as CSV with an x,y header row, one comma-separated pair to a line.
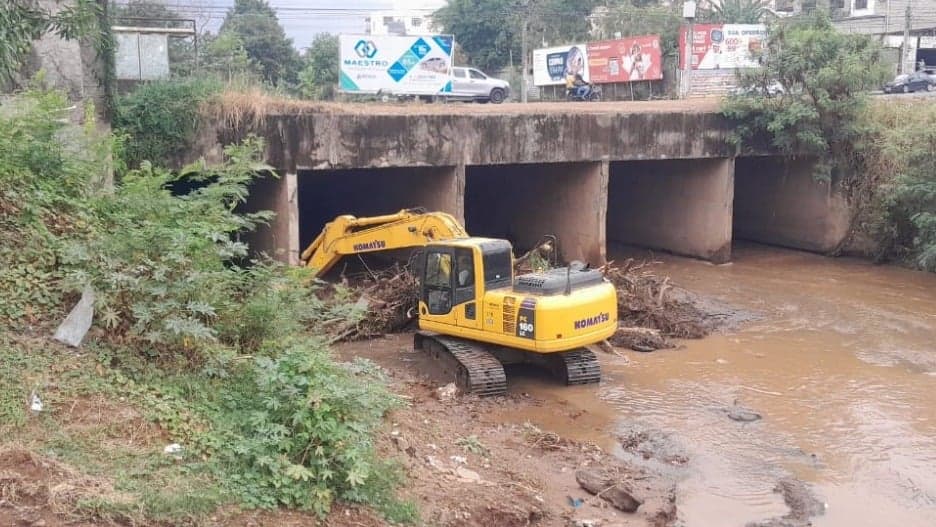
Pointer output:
x,y
301,25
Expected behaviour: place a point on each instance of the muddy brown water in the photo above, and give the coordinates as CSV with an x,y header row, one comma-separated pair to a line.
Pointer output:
x,y
840,362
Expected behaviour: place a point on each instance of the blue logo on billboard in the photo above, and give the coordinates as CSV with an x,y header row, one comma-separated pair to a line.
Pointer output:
x,y
420,48
445,43
397,71
366,49
556,65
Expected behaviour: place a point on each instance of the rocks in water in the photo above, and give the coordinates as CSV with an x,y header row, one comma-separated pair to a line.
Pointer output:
x,y
802,502
608,488
742,414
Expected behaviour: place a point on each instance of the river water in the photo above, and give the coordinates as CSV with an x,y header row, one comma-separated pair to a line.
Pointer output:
x,y
840,362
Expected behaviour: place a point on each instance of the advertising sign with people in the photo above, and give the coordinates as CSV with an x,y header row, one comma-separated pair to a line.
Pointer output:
x,y
625,59
722,46
551,66
418,65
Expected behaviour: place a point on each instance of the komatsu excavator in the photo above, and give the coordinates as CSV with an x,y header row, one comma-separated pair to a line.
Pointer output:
x,y
474,315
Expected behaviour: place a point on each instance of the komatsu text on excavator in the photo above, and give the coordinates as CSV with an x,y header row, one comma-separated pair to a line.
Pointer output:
x,y
474,315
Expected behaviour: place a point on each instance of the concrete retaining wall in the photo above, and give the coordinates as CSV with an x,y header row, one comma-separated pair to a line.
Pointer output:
x,y
684,206
525,202
778,201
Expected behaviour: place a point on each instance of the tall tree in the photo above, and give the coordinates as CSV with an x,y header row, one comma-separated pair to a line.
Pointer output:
x,y
489,31
318,78
826,76
255,24
633,20
484,29
737,11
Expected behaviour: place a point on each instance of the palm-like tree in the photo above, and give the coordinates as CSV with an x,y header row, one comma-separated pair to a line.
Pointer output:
x,y
738,11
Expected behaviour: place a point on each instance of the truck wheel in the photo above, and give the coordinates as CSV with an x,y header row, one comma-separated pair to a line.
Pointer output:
x,y
497,96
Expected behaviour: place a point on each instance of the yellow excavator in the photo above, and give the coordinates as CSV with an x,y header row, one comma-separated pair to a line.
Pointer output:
x,y
474,315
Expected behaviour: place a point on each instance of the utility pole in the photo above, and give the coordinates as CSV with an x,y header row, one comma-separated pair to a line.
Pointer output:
x,y
523,48
905,58
688,13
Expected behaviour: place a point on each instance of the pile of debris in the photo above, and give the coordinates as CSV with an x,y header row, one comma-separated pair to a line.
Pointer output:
x,y
387,301
651,310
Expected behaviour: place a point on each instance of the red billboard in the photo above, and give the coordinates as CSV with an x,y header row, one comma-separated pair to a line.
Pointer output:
x,y
625,60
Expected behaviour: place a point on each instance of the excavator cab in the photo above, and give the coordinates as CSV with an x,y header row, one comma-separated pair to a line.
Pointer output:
x,y
470,300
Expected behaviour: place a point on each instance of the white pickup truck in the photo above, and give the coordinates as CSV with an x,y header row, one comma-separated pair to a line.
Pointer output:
x,y
471,84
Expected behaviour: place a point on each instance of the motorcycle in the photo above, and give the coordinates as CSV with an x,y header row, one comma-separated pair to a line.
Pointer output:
x,y
592,95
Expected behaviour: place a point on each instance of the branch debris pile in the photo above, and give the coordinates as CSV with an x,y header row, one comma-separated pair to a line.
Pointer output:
x,y
651,310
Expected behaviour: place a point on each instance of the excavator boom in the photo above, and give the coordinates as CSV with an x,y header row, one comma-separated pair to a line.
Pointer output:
x,y
348,235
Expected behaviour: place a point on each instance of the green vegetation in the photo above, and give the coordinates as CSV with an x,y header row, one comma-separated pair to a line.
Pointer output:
x,y
256,27
631,19
192,343
904,204
736,12
160,119
24,22
319,77
489,31
825,77
879,155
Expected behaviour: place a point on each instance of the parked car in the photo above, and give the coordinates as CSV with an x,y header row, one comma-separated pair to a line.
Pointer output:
x,y
910,82
471,84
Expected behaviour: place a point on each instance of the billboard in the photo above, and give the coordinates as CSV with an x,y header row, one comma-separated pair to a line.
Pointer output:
x,y
722,46
625,59
551,65
412,65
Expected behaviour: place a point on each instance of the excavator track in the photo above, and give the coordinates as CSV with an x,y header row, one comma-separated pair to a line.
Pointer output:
x,y
579,366
476,370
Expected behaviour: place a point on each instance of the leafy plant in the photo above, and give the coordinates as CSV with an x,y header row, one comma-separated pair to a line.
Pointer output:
x,y
737,11
305,436
906,206
318,78
472,444
160,119
24,22
160,263
825,75
48,170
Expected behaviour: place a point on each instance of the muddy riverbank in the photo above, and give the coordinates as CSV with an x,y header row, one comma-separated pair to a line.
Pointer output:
x,y
837,361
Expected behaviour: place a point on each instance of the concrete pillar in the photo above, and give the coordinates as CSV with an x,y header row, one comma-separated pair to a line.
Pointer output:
x,y
522,203
778,201
680,206
280,237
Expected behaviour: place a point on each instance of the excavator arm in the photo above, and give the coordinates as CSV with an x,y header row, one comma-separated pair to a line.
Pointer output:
x,y
347,235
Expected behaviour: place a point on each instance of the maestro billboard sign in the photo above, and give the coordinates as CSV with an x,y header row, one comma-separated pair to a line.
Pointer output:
x,y
412,65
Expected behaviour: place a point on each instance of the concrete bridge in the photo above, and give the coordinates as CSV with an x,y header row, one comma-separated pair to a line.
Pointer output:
x,y
660,175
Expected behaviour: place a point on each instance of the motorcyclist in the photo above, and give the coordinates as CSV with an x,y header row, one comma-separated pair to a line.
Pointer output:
x,y
582,88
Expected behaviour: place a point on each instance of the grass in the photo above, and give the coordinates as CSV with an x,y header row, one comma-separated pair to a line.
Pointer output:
x,y
99,440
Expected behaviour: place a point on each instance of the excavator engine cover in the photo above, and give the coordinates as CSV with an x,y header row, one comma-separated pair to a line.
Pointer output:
x,y
556,281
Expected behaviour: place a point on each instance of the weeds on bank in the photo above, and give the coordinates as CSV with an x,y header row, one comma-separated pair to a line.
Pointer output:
x,y
193,343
